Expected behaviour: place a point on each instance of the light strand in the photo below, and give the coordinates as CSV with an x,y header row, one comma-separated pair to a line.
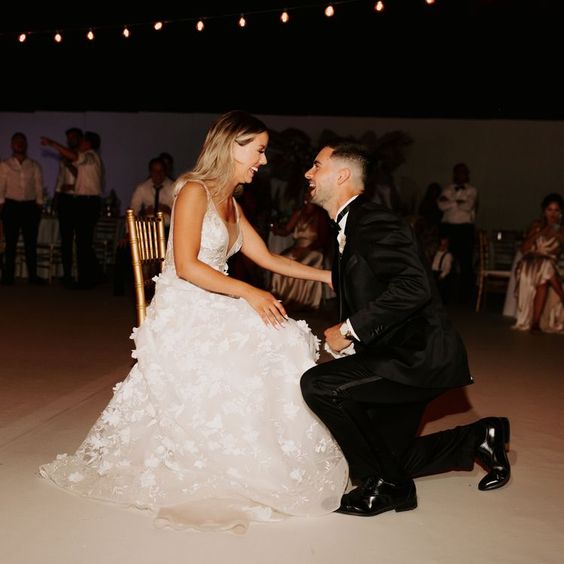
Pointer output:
x,y
327,8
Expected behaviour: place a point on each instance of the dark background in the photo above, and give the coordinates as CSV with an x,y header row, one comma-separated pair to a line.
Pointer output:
x,y
457,58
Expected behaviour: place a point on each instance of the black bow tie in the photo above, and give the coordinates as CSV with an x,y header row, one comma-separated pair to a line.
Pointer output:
x,y
459,187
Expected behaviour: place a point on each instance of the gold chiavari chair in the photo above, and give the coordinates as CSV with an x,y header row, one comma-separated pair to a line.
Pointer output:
x,y
147,244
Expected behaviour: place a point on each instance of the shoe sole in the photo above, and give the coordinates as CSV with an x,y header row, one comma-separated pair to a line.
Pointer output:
x,y
404,506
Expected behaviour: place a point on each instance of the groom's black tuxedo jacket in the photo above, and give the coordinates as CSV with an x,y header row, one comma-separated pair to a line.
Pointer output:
x,y
386,288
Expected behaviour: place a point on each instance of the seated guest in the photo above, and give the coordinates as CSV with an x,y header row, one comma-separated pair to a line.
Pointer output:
x,y
154,194
310,228
537,271
442,267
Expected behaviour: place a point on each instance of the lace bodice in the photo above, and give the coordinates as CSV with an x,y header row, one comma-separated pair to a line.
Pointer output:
x,y
214,241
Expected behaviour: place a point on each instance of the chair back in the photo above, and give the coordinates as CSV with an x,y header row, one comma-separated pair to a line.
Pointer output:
x,y
496,253
148,248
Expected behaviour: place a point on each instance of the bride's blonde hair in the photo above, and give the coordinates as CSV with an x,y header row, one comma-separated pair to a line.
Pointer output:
x,y
215,165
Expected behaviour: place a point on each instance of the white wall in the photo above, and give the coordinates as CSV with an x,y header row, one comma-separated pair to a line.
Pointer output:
x,y
513,163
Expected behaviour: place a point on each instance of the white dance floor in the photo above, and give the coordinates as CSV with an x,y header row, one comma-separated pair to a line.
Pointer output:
x,y
63,351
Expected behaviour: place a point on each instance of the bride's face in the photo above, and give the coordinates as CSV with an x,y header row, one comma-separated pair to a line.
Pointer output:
x,y
248,158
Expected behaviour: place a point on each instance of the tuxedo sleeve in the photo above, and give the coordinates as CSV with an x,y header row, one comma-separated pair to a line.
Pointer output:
x,y
401,283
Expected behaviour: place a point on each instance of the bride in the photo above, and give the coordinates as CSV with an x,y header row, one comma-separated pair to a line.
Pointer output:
x,y
209,430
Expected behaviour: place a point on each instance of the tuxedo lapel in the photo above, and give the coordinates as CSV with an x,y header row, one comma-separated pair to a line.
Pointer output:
x,y
341,260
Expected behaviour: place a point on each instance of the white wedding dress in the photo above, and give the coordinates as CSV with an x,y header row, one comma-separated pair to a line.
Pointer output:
x,y
209,430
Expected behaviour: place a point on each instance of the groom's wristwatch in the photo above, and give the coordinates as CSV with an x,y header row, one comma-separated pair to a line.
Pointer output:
x,y
345,331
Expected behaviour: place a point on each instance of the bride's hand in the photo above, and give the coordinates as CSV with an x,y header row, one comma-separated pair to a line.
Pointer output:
x,y
270,309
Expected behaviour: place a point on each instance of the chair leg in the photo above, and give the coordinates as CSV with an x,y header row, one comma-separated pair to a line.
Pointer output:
x,y
480,292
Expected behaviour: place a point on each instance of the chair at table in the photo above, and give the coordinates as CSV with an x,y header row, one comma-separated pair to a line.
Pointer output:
x,y
496,252
147,244
106,235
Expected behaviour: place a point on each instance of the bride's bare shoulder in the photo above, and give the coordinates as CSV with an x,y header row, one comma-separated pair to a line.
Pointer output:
x,y
191,199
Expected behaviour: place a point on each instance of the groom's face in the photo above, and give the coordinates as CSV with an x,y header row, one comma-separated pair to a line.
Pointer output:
x,y
322,178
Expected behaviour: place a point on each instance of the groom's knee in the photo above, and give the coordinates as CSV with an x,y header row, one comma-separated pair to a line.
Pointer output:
x,y
308,383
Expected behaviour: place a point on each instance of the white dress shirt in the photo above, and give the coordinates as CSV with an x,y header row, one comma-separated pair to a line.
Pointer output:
x,y
342,225
90,174
459,206
144,195
22,182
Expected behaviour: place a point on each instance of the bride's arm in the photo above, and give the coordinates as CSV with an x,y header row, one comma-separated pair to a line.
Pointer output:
x,y
189,210
255,248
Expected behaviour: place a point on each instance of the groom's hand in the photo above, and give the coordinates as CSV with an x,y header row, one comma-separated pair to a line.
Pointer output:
x,y
335,339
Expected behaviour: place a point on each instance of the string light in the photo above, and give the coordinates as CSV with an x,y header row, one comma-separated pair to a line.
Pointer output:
x,y
126,29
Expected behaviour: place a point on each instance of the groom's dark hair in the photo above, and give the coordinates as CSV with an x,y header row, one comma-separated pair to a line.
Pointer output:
x,y
352,152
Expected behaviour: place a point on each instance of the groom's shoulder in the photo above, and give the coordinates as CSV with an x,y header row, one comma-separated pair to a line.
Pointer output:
x,y
370,212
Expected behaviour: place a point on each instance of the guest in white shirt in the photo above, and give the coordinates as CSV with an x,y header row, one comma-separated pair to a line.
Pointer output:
x,y
21,199
86,202
65,204
157,190
458,202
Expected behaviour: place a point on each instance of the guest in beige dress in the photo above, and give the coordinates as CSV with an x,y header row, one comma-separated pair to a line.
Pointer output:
x,y
539,285
310,228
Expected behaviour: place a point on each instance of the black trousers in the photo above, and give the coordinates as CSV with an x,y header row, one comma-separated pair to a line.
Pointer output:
x,y
24,216
461,245
78,216
375,421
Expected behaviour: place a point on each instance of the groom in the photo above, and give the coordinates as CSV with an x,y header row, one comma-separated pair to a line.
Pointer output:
x,y
406,353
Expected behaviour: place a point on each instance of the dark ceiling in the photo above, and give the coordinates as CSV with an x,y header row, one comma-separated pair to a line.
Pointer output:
x,y
457,58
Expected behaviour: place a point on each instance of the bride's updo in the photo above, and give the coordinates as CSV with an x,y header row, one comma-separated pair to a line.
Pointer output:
x,y
215,165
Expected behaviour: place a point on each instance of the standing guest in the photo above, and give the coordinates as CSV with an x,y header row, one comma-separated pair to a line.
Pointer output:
x,y
64,195
86,203
458,202
21,200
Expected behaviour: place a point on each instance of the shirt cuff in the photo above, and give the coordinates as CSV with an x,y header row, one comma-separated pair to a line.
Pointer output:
x,y
349,324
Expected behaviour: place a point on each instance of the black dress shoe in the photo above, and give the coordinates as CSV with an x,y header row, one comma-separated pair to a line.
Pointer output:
x,y
375,496
491,452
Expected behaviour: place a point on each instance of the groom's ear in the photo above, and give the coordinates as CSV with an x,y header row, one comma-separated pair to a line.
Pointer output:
x,y
343,175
